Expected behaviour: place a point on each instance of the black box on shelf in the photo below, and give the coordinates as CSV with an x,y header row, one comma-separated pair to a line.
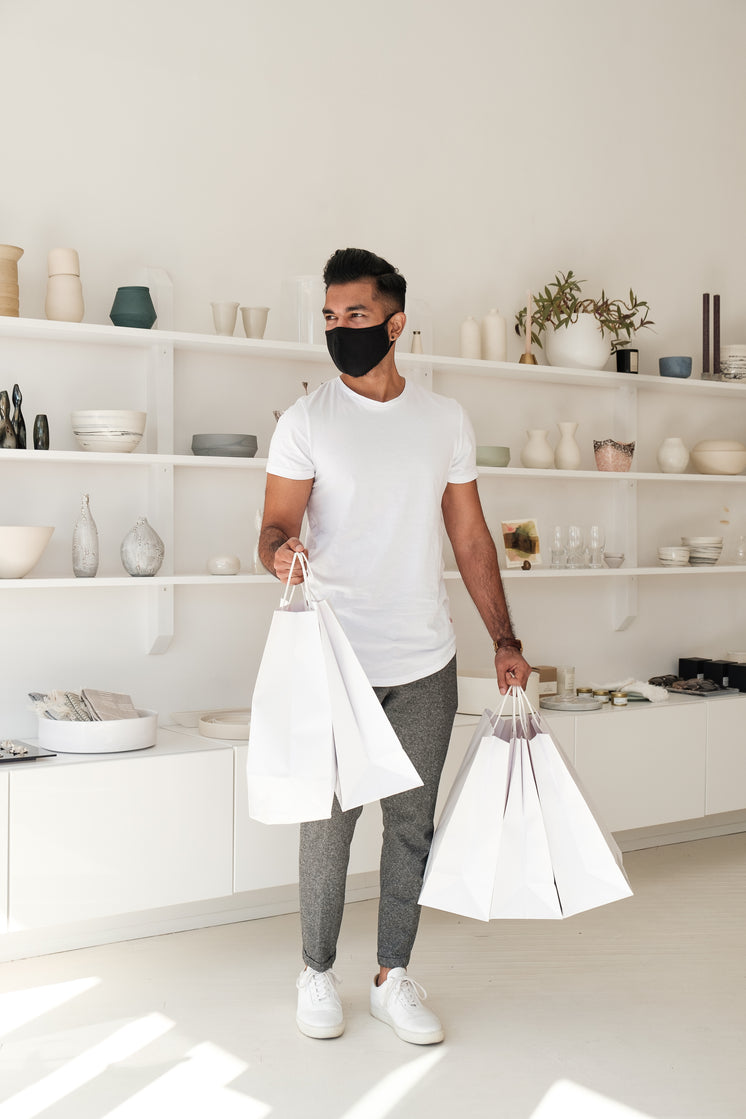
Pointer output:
x,y
718,672
737,677
692,667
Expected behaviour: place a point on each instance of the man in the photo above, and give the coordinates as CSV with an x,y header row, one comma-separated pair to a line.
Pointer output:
x,y
381,465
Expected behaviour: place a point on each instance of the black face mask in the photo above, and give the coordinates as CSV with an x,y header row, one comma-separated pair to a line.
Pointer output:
x,y
357,350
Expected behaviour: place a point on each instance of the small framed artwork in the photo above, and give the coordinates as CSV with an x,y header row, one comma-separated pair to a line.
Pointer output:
x,y
521,540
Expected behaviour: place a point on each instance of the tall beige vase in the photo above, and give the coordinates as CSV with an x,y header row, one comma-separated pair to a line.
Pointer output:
x,y
64,301
9,257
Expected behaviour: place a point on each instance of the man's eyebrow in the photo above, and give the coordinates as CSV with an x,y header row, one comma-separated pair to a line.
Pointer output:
x,y
353,307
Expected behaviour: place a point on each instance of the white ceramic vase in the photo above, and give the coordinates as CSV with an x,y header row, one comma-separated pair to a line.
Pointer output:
x,y
579,345
64,301
537,453
142,549
567,451
470,338
672,455
85,543
494,336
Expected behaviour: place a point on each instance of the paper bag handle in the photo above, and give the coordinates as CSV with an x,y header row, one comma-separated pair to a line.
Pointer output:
x,y
306,586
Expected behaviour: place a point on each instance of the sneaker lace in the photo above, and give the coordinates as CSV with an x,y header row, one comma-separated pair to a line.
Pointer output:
x,y
408,991
322,983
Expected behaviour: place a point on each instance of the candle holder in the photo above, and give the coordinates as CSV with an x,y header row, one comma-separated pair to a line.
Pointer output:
x,y
527,359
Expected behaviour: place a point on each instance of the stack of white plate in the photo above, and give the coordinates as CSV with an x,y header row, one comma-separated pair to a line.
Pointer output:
x,y
703,550
673,556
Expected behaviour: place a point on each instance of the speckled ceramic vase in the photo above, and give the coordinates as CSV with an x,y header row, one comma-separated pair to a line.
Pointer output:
x,y
142,549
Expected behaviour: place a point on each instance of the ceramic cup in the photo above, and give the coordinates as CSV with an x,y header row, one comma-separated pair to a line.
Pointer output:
x,y
224,316
133,306
254,321
675,366
224,565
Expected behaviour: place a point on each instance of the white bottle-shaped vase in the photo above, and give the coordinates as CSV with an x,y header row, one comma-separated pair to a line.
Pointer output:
x,y
471,338
537,453
494,336
64,302
567,451
416,342
672,455
142,549
85,543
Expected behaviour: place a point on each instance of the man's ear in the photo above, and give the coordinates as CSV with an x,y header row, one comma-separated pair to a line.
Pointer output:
x,y
396,325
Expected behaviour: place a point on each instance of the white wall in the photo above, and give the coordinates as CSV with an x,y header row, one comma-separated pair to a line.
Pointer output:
x,y
480,146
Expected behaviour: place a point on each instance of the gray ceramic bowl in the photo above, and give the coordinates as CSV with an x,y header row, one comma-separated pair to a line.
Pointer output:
x,y
490,455
228,446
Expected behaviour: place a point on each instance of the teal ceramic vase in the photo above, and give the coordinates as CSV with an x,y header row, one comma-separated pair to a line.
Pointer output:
x,y
133,307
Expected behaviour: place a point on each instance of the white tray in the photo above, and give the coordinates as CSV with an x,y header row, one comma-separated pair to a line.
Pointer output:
x,y
107,736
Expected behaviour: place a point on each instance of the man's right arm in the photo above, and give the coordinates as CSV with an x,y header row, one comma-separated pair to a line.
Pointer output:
x,y
285,502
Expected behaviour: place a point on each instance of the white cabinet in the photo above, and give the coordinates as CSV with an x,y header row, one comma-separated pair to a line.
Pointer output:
x,y
102,836
726,754
3,852
644,765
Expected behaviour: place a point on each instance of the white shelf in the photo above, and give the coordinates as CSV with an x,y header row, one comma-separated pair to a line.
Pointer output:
x,y
101,581
610,475
613,573
134,458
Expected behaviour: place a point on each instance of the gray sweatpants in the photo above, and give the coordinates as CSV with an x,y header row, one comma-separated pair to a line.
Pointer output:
x,y
422,715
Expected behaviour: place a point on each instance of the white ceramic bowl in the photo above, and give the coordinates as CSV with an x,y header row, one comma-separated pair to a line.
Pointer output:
x,y
614,559
21,548
113,430
719,456
224,445
104,736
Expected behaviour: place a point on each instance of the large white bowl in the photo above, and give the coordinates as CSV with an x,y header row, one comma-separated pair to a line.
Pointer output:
x,y
21,548
104,736
115,429
719,456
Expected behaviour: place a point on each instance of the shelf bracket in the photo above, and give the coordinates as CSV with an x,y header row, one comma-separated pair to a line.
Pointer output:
x,y
160,619
625,602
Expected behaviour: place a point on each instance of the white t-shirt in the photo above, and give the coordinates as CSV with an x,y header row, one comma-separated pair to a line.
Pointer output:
x,y
375,538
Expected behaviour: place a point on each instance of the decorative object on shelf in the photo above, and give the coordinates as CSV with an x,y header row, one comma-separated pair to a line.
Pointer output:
x,y
733,363
580,330
704,551
494,336
7,434
739,557
302,298
64,300
627,360
672,455
527,358
488,455
224,565
85,542
99,736
671,555
9,302
142,549
596,541
254,321
706,336
675,366
567,451
224,316
612,455
719,456
558,548
416,347
19,424
613,559
716,337
41,432
470,338
226,446
21,548
114,429
521,540
133,306
537,453
576,557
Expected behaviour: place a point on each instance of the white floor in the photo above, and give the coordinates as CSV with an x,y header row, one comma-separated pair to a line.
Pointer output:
x,y
642,1002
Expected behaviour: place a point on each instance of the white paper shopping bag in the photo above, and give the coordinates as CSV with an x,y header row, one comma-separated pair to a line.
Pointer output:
x,y
587,862
291,768
460,871
371,762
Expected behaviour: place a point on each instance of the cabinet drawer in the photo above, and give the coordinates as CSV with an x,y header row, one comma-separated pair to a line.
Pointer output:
x,y
93,839
643,766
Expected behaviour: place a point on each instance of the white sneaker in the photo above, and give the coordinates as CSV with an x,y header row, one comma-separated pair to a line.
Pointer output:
x,y
398,1002
319,1008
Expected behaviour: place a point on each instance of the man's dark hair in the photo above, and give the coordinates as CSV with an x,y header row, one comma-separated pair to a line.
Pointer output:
x,y
346,266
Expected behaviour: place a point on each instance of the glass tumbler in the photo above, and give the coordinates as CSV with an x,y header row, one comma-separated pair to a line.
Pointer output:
x,y
558,548
596,541
575,550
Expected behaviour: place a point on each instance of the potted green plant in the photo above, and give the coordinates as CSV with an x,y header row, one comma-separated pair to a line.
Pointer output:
x,y
577,330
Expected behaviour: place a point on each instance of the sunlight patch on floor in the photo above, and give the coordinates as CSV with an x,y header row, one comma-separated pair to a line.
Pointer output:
x,y
389,1092
19,1007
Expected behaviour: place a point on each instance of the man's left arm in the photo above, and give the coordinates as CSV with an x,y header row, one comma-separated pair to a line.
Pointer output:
x,y
476,557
